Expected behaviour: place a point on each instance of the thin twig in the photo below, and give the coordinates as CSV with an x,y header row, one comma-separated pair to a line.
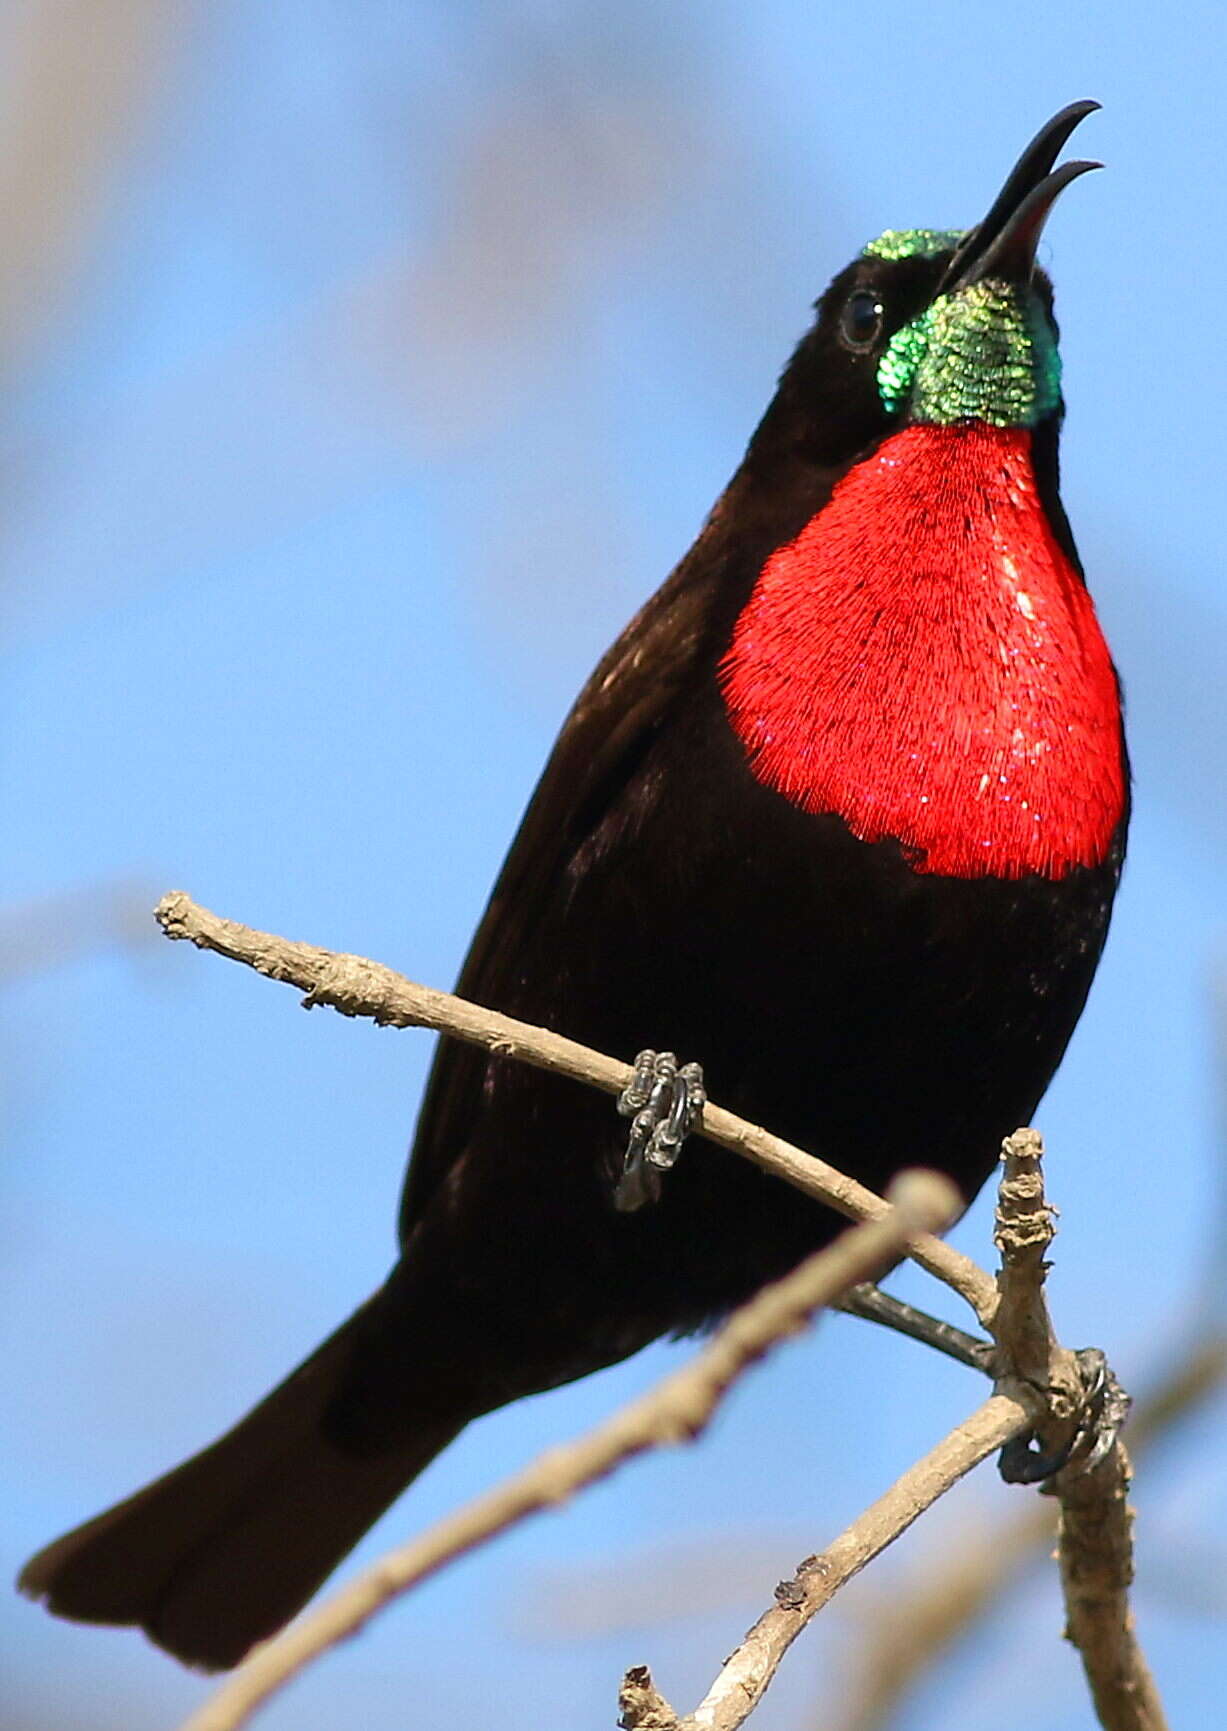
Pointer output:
x,y
675,1411
871,1304
908,1629
1039,1388
1034,1373
746,1674
357,987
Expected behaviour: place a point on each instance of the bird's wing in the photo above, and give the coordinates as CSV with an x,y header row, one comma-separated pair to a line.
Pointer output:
x,y
615,718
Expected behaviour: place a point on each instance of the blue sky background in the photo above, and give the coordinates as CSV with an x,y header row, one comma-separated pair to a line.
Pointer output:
x,y
364,368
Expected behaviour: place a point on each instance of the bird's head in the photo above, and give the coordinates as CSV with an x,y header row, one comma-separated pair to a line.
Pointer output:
x,y
938,326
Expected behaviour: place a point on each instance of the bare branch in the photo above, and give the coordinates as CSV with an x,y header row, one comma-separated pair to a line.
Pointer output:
x,y
1095,1539
357,987
747,1673
1095,1547
641,1706
910,1628
871,1304
1027,1346
1039,1387
1036,1374
675,1411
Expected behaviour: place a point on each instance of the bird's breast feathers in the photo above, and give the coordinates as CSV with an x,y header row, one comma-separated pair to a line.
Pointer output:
x,y
924,661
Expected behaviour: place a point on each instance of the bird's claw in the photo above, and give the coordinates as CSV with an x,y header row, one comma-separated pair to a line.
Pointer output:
x,y
663,1101
1105,1409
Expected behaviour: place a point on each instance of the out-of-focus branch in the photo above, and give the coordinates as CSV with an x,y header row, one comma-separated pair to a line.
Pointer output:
x,y
675,1411
77,74
42,934
357,987
909,1629
905,1634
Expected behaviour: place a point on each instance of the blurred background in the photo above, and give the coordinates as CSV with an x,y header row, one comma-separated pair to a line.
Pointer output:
x,y
364,367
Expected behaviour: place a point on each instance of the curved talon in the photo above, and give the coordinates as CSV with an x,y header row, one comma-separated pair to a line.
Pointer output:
x,y
635,1094
1105,1408
664,1103
687,1105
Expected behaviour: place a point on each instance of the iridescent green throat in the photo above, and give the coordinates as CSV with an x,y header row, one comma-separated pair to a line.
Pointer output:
x,y
982,353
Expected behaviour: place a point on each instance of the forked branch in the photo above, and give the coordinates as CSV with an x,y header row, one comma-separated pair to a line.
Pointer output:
x,y
1039,1385
915,1623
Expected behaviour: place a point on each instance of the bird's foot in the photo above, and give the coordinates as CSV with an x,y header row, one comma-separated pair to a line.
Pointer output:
x,y
664,1102
1105,1409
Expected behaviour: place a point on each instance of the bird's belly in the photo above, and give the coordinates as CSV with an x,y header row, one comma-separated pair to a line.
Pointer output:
x,y
872,1014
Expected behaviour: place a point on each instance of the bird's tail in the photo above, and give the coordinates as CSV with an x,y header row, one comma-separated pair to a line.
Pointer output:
x,y
222,1551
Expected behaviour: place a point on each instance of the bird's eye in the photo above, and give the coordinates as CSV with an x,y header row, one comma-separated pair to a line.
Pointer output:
x,y
860,323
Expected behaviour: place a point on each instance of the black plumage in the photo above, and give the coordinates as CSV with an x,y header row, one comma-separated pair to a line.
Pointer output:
x,y
657,894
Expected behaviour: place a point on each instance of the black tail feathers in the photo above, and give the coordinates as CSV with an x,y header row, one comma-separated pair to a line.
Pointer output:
x,y
222,1551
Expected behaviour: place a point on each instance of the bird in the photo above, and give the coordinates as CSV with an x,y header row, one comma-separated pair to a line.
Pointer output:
x,y
841,816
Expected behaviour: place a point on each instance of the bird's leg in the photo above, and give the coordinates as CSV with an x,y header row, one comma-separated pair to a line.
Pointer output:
x,y
871,1304
1022,1462
663,1102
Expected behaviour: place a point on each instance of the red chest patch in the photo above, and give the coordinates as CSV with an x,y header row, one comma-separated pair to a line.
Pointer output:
x,y
923,661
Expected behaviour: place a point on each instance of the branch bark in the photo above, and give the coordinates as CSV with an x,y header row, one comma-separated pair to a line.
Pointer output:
x,y
910,1627
1035,1375
746,1674
1095,1550
1095,1538
357,987
676,1410
1027,1346
1039,1384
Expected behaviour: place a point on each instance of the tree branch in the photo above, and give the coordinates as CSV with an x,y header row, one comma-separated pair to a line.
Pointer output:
x,y
1095,1539
746,1674
1027,1346
910,1627
357,987
676,1410
1039,1387
1034,1374
871,1304
1095,1549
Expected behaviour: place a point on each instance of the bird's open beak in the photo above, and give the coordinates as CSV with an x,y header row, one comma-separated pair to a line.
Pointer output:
x,y
1003,245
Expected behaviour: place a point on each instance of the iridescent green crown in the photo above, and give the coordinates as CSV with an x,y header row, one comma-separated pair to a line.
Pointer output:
x,y
913,242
